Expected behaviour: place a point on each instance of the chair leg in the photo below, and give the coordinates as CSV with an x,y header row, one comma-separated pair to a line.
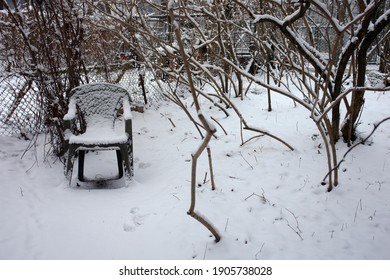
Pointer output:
x,y
69,162
81,165
120,163
125,158
130,156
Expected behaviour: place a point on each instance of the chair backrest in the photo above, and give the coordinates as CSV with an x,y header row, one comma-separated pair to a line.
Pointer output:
x,y
99,101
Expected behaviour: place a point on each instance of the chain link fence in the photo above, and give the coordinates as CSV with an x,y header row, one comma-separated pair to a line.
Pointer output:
x,y
22,108
140,82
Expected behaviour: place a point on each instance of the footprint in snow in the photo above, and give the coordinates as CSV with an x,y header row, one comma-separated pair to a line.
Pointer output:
x,y
143,165
135,220
128,228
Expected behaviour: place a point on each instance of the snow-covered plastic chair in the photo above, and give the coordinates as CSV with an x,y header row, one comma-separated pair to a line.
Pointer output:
x,y
98,106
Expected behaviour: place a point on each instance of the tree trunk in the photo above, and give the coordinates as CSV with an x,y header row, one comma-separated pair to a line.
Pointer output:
x,y
349,127
335,129
384,65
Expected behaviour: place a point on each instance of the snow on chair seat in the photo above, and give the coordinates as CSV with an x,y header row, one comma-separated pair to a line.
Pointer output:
x,y
99,136
97,106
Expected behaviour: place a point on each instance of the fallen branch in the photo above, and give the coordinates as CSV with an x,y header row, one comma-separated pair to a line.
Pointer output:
x,y
298,230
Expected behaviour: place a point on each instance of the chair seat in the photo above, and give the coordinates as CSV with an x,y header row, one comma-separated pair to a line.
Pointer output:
x,y
99,136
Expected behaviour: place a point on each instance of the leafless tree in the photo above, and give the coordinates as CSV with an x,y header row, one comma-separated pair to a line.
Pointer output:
x,y
323,46
43,45
53,46
348,30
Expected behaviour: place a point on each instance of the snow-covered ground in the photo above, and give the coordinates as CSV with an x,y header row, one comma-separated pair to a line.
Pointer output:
x,y
268,204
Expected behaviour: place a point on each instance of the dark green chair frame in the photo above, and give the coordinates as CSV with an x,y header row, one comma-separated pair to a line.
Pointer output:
x,y
98,106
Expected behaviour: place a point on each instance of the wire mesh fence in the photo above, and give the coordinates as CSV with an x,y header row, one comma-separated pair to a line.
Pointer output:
x,y
22,107
140,82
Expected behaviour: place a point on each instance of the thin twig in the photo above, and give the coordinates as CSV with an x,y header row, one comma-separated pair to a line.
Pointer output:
x,y
205,251
296,220
171,122
262,197
246,161
226,225
357,207
175,196
251,196
205,178
236,178
168,119
259,250
224,131
288,224
270,135
298,231
250,139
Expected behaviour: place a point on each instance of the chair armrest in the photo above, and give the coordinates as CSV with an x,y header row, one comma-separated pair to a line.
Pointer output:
x,y
72,111
68,119
127,115
129,128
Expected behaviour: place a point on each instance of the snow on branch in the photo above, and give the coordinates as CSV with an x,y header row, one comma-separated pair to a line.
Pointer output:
x,y
288,20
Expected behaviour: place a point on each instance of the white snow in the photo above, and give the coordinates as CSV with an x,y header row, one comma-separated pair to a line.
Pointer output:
x,y
268,202
72,110
100,135
127,115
